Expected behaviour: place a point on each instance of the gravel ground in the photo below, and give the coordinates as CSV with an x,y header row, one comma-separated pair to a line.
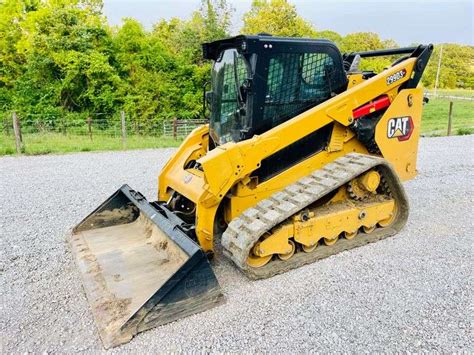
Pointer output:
x,y
411,293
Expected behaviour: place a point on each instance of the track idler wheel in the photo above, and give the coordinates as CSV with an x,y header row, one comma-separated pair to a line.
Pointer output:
x,y
258,261
388,221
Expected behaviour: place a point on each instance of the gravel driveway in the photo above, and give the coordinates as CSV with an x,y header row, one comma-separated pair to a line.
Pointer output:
x,y
412,292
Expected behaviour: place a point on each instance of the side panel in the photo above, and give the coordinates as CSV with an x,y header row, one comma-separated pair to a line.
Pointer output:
x,y
398,132
245,196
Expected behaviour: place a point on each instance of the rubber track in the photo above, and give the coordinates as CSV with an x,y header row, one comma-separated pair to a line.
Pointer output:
x,y
244,231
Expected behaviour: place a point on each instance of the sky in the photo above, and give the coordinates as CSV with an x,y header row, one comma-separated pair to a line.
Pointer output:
x,y
405,21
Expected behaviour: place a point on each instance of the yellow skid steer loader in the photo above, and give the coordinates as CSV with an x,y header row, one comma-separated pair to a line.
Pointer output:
x,y
303,157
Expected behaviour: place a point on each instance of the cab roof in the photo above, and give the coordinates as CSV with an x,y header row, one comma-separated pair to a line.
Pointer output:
x,y
255,43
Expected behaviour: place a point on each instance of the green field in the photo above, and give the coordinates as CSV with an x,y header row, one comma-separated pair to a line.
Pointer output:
x,y
434,123
46,143
435,117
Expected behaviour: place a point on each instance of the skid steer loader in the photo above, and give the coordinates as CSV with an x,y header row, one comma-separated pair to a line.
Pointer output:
x,y
303,158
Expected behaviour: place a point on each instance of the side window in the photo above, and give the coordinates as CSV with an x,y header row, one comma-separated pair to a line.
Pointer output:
x,y
228,74
275,78
315,68
296,82
229,89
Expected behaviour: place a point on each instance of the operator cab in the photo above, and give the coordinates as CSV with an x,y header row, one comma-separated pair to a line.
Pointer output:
x,y
259,82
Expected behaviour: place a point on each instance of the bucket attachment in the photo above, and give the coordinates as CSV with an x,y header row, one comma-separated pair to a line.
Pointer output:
x,y
139,267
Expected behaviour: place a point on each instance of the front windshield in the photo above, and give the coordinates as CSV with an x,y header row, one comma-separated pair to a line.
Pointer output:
x,y
227,101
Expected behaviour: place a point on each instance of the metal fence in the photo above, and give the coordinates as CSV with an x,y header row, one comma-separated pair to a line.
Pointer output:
x,y
93,126
180,128
449,96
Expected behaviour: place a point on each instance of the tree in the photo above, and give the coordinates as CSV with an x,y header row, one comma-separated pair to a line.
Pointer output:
x,y
277,17
457,67
12,13
215,16
147,70
330,35
361,41
66,45
210,23
367,41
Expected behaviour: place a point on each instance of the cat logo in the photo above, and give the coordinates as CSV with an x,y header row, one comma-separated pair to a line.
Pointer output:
x,y
400,127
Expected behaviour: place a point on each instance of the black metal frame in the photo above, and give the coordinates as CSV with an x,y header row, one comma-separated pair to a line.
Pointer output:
x,y
421,52
380,52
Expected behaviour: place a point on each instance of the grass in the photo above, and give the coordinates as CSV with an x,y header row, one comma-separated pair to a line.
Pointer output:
x,y
46,143
434,121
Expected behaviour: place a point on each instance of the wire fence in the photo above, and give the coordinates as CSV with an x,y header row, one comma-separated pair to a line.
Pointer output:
x,y
465,95
181,128
19,130
100,125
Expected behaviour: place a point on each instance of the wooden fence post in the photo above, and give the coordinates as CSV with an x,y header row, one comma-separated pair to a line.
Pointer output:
x,y
17,131
89,124
450,116
124,130
175,128
63,125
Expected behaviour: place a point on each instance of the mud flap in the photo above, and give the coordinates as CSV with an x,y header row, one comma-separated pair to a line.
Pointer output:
x,y
139,268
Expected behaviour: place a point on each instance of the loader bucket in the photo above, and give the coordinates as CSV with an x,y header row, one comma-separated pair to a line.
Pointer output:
x,y
139,268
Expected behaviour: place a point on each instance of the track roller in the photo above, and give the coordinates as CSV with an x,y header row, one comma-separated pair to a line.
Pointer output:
x,y
290,253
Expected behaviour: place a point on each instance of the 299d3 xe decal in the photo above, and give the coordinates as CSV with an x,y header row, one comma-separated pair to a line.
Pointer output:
x,y
400,127
396,76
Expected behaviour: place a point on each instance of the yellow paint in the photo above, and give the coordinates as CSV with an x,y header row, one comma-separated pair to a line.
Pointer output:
x,y
342,217
401,153
328,224
339,133
354,79
370,180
